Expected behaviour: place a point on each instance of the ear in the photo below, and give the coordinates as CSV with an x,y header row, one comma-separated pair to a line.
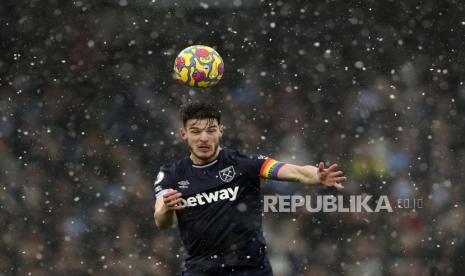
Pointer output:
x,y
221,130
183,133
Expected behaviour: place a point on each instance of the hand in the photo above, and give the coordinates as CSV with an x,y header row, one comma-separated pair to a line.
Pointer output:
x,y
330,177
171,200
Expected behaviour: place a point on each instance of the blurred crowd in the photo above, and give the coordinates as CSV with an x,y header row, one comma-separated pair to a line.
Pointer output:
x,y
89,112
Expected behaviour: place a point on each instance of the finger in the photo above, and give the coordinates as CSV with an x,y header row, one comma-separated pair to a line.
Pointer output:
x,y
170,192
339,179
338,173
172,197
174,202
321,167
338,186
175,195
178,207
332,167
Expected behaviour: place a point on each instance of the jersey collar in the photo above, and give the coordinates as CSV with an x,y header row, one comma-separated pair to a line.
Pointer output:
x,y
209,163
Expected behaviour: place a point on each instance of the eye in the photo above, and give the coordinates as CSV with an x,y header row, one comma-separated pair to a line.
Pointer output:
x,y
206,67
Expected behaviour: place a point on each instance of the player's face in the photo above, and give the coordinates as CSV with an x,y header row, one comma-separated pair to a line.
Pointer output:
x,y
203,137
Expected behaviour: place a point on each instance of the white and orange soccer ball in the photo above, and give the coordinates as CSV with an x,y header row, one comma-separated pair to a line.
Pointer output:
x,y
199,66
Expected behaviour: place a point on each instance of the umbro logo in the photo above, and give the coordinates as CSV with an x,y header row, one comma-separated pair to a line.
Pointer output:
x,y
183,184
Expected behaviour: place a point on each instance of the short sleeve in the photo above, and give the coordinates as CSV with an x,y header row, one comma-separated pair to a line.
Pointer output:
x,y
164,181
252,163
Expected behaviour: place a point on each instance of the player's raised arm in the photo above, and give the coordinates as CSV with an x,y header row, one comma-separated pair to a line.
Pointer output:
x,y
330,177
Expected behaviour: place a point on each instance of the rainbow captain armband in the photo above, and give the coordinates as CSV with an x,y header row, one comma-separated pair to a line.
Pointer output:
x,y
270,168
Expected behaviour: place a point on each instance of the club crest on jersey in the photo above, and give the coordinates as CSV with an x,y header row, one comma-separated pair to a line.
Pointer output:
x,y
227,174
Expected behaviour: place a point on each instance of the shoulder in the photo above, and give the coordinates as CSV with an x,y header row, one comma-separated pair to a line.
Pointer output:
x,y
173,168
171,165
235,155
251,164
167,175
232,154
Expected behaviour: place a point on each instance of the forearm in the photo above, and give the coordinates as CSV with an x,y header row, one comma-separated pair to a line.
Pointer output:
x,y
164,218
308,175
312,175
303,174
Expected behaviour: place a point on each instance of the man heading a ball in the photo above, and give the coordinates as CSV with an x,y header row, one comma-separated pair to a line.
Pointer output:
x,y
215,195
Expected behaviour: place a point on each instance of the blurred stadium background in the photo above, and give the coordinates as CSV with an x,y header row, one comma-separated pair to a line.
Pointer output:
x,y
89,111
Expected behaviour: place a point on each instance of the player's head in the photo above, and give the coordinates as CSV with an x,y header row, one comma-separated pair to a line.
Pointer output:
x,y
201,129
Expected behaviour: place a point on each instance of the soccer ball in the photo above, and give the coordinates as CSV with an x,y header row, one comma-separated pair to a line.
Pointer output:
x,y
199,66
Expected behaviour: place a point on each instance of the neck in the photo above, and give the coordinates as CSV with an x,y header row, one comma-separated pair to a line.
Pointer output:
x,y
200,162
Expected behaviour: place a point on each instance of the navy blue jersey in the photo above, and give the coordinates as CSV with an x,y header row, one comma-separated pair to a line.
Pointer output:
x,y
221,225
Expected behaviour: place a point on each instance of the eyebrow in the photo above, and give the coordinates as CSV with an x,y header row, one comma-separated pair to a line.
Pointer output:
x,y
195,128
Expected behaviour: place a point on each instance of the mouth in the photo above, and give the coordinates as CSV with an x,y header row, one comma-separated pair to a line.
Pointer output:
x,y
204,148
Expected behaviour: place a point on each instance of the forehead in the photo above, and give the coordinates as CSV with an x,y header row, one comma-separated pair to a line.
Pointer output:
x,y
201,123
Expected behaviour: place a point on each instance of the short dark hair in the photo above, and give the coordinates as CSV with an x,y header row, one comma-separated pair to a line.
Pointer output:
x,y
199,110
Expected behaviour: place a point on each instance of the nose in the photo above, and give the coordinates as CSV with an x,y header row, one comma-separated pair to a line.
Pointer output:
x,y
203,136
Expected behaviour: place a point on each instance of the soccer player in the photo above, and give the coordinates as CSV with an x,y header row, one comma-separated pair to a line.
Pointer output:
x,y
214,193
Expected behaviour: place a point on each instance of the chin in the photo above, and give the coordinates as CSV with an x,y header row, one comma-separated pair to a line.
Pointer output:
x,y
205,155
